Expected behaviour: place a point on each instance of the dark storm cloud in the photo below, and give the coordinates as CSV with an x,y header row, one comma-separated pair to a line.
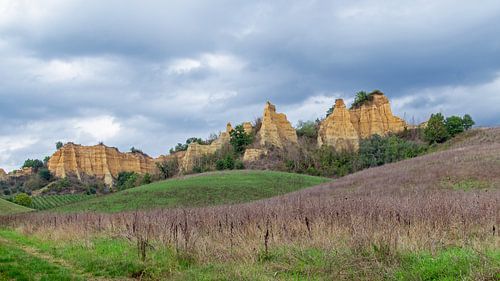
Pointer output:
x,y
150,74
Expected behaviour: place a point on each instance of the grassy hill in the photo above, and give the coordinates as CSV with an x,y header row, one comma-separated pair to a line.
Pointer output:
x,y
198,191
8,208
45,202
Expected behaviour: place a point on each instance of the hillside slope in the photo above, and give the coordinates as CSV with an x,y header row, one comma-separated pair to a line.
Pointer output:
x,y
9,208
200,190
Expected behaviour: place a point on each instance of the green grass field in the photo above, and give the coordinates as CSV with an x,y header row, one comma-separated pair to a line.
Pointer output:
x,y
200,190
52,201
8,208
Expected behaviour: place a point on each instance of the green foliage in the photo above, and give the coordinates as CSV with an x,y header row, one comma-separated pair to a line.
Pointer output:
x,y
146,179
468,122
204,190
59,145
45,174
184,146
126,180
361,97
454,125
377,150
135,150
168,168
436,131
23,199
226,163
239,139
46,161
334,163
307,129
35,164
239,165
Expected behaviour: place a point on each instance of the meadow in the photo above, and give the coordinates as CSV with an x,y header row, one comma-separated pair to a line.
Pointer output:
x,y
434,217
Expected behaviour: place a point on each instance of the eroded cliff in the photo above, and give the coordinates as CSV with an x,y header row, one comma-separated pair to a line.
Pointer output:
x,y
344,128
99,160
275,129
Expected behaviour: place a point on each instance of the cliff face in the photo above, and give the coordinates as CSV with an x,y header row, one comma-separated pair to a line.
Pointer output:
x,y
99,160
196,150
344,128
375,117
338,130
275,129
3,174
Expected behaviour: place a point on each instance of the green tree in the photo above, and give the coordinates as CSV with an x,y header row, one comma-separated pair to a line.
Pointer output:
x,y
35,164
126,180
23,199
45,174
307,129
168,168
239,139
59,145
46,160
454,125
436,131
468,122
146,179
360,98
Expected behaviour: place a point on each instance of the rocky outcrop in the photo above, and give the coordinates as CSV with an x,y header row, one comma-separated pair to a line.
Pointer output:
x,y
254,154
338,130
275,129
99,160
247,127
344,128
3,174
195,150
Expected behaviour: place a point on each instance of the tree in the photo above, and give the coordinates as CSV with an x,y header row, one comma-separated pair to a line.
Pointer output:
x,y
46,161
168,168
454,125
146,179
307,128
45,174
330,111
360,98
23,199
35,164
59,145
136,150
436,131
239,139
126,180
468,122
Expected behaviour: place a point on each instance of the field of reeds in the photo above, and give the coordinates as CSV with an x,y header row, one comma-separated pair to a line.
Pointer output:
x,y
434,217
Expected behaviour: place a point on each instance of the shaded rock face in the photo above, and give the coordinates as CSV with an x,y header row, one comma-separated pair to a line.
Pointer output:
x,y
275,129
338,130
344,128
3,174
99,160
196,150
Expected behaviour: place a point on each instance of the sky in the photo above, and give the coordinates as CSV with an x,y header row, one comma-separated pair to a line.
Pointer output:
x,y
150,74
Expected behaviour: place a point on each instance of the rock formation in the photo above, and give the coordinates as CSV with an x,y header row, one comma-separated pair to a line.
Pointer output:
x,y
337,129
344,128
3,174
195,150
247,127
275,129
253,154
99,160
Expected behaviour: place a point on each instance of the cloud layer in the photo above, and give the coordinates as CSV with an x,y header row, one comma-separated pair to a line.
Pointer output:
x,y
150,74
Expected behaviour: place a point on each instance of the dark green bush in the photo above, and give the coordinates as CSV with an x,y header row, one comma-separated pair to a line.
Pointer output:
x,y
377,150
454,125
239,139
126,180
307,129
436,131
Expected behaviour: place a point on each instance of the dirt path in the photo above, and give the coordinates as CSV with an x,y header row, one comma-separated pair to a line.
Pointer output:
x,y
56,261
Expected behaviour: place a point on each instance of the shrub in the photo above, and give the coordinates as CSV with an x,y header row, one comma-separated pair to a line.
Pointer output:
x,y
45,174
59,145
361,97
146,179
239,139
436,131
377,150
239,165
454,125
168,168
23,199
126,180
226,163
219,165
307,129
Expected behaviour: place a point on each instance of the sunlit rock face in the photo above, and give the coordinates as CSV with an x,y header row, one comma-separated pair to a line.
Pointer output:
x,y
275,129
99,160
196,150
3,174
344,128
337,129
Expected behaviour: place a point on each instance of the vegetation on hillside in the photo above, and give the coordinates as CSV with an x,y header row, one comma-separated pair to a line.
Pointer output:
x,y
8,208
204,190
53,201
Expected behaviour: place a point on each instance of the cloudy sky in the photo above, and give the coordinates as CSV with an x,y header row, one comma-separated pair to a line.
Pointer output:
x,y
150,74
